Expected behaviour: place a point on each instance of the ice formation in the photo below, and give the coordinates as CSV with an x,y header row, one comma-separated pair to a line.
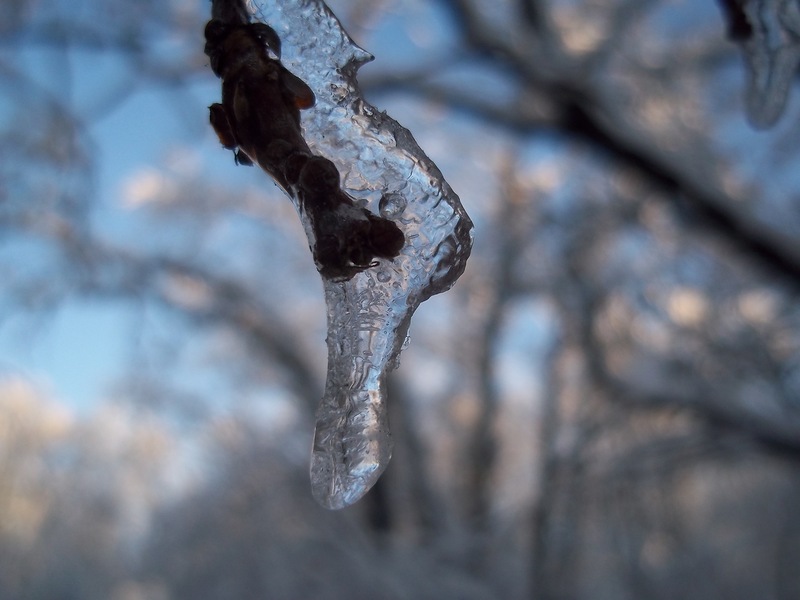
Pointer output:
x,y
772,51
368,314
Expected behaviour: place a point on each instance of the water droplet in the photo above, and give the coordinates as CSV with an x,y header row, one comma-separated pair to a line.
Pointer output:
x,y
392,205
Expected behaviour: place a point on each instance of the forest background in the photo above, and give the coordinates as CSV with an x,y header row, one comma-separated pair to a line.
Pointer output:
x,y
605,406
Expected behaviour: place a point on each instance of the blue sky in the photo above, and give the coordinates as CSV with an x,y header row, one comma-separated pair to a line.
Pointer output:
x,y
78,351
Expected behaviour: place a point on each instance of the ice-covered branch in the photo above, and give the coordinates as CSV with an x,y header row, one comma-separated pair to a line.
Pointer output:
x,y
385,178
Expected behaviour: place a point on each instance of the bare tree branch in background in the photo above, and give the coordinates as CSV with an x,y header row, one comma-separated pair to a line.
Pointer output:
x,y
567,103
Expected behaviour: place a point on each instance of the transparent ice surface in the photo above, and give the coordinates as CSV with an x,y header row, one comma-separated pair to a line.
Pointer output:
x,y
369,315
772,52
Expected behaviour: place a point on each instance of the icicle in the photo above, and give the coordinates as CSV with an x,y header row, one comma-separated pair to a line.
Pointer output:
x,y
771,42
369,313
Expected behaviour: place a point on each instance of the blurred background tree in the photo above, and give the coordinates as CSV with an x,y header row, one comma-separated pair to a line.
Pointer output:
x,y
606,405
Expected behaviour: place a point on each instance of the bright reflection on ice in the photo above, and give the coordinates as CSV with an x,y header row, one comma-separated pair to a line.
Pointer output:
x,y
369,315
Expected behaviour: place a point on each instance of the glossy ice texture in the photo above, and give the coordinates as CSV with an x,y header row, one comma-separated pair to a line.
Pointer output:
x,y
369,315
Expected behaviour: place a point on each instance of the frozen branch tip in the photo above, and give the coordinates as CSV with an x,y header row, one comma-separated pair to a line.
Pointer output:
x,y
259,120
385,229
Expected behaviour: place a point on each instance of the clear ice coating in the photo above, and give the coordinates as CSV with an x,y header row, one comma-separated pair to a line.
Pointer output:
x,y
772,51
369,315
